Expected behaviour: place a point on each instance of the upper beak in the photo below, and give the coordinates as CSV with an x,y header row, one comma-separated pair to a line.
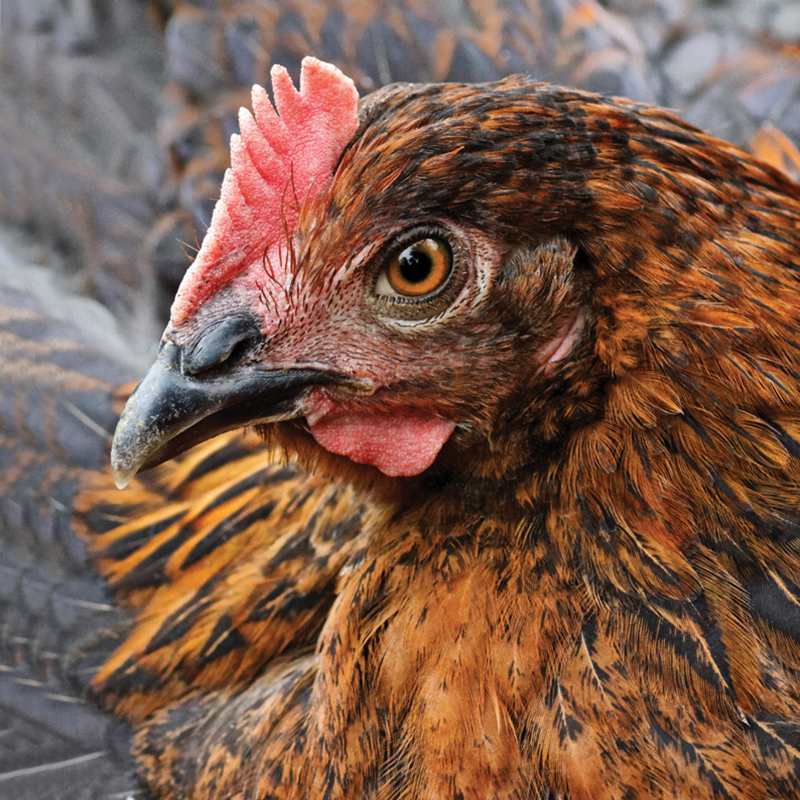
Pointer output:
x,y
173,409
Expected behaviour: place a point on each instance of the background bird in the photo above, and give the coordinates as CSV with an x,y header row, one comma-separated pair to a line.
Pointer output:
x,y
200,563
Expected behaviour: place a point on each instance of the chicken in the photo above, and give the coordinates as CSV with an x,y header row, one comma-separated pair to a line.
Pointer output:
x,y
533,354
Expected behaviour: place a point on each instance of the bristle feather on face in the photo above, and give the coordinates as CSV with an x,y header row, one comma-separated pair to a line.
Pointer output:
x,y
283,157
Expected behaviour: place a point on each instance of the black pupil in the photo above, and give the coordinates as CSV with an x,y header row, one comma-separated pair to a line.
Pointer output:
x,y
415,265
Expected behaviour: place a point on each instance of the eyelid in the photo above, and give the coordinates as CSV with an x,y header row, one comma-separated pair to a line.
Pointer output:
x,y
382,286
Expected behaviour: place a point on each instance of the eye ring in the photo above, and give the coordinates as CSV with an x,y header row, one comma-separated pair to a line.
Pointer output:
x,y
417,270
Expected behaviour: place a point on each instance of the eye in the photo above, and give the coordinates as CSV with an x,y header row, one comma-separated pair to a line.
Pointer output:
x,y
420,274
417,270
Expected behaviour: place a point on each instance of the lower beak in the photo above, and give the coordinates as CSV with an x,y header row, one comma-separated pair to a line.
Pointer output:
x,y
171,411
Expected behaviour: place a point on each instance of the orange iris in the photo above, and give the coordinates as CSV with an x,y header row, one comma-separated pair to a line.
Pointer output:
x,y
420,268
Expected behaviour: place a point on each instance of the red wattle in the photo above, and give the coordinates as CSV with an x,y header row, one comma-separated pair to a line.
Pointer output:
x,y
396,445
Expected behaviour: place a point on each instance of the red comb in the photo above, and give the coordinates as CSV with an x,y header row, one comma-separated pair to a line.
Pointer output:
x,y
279,160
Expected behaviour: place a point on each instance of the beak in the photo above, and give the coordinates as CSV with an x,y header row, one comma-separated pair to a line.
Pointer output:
x,y
174,407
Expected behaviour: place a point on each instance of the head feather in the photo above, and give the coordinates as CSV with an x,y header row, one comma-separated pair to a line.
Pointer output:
x,y
282,157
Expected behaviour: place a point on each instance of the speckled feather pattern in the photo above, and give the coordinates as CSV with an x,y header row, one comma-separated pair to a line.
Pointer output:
x,y
595,590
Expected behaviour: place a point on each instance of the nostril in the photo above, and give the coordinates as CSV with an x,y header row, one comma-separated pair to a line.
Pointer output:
x,y
227,343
